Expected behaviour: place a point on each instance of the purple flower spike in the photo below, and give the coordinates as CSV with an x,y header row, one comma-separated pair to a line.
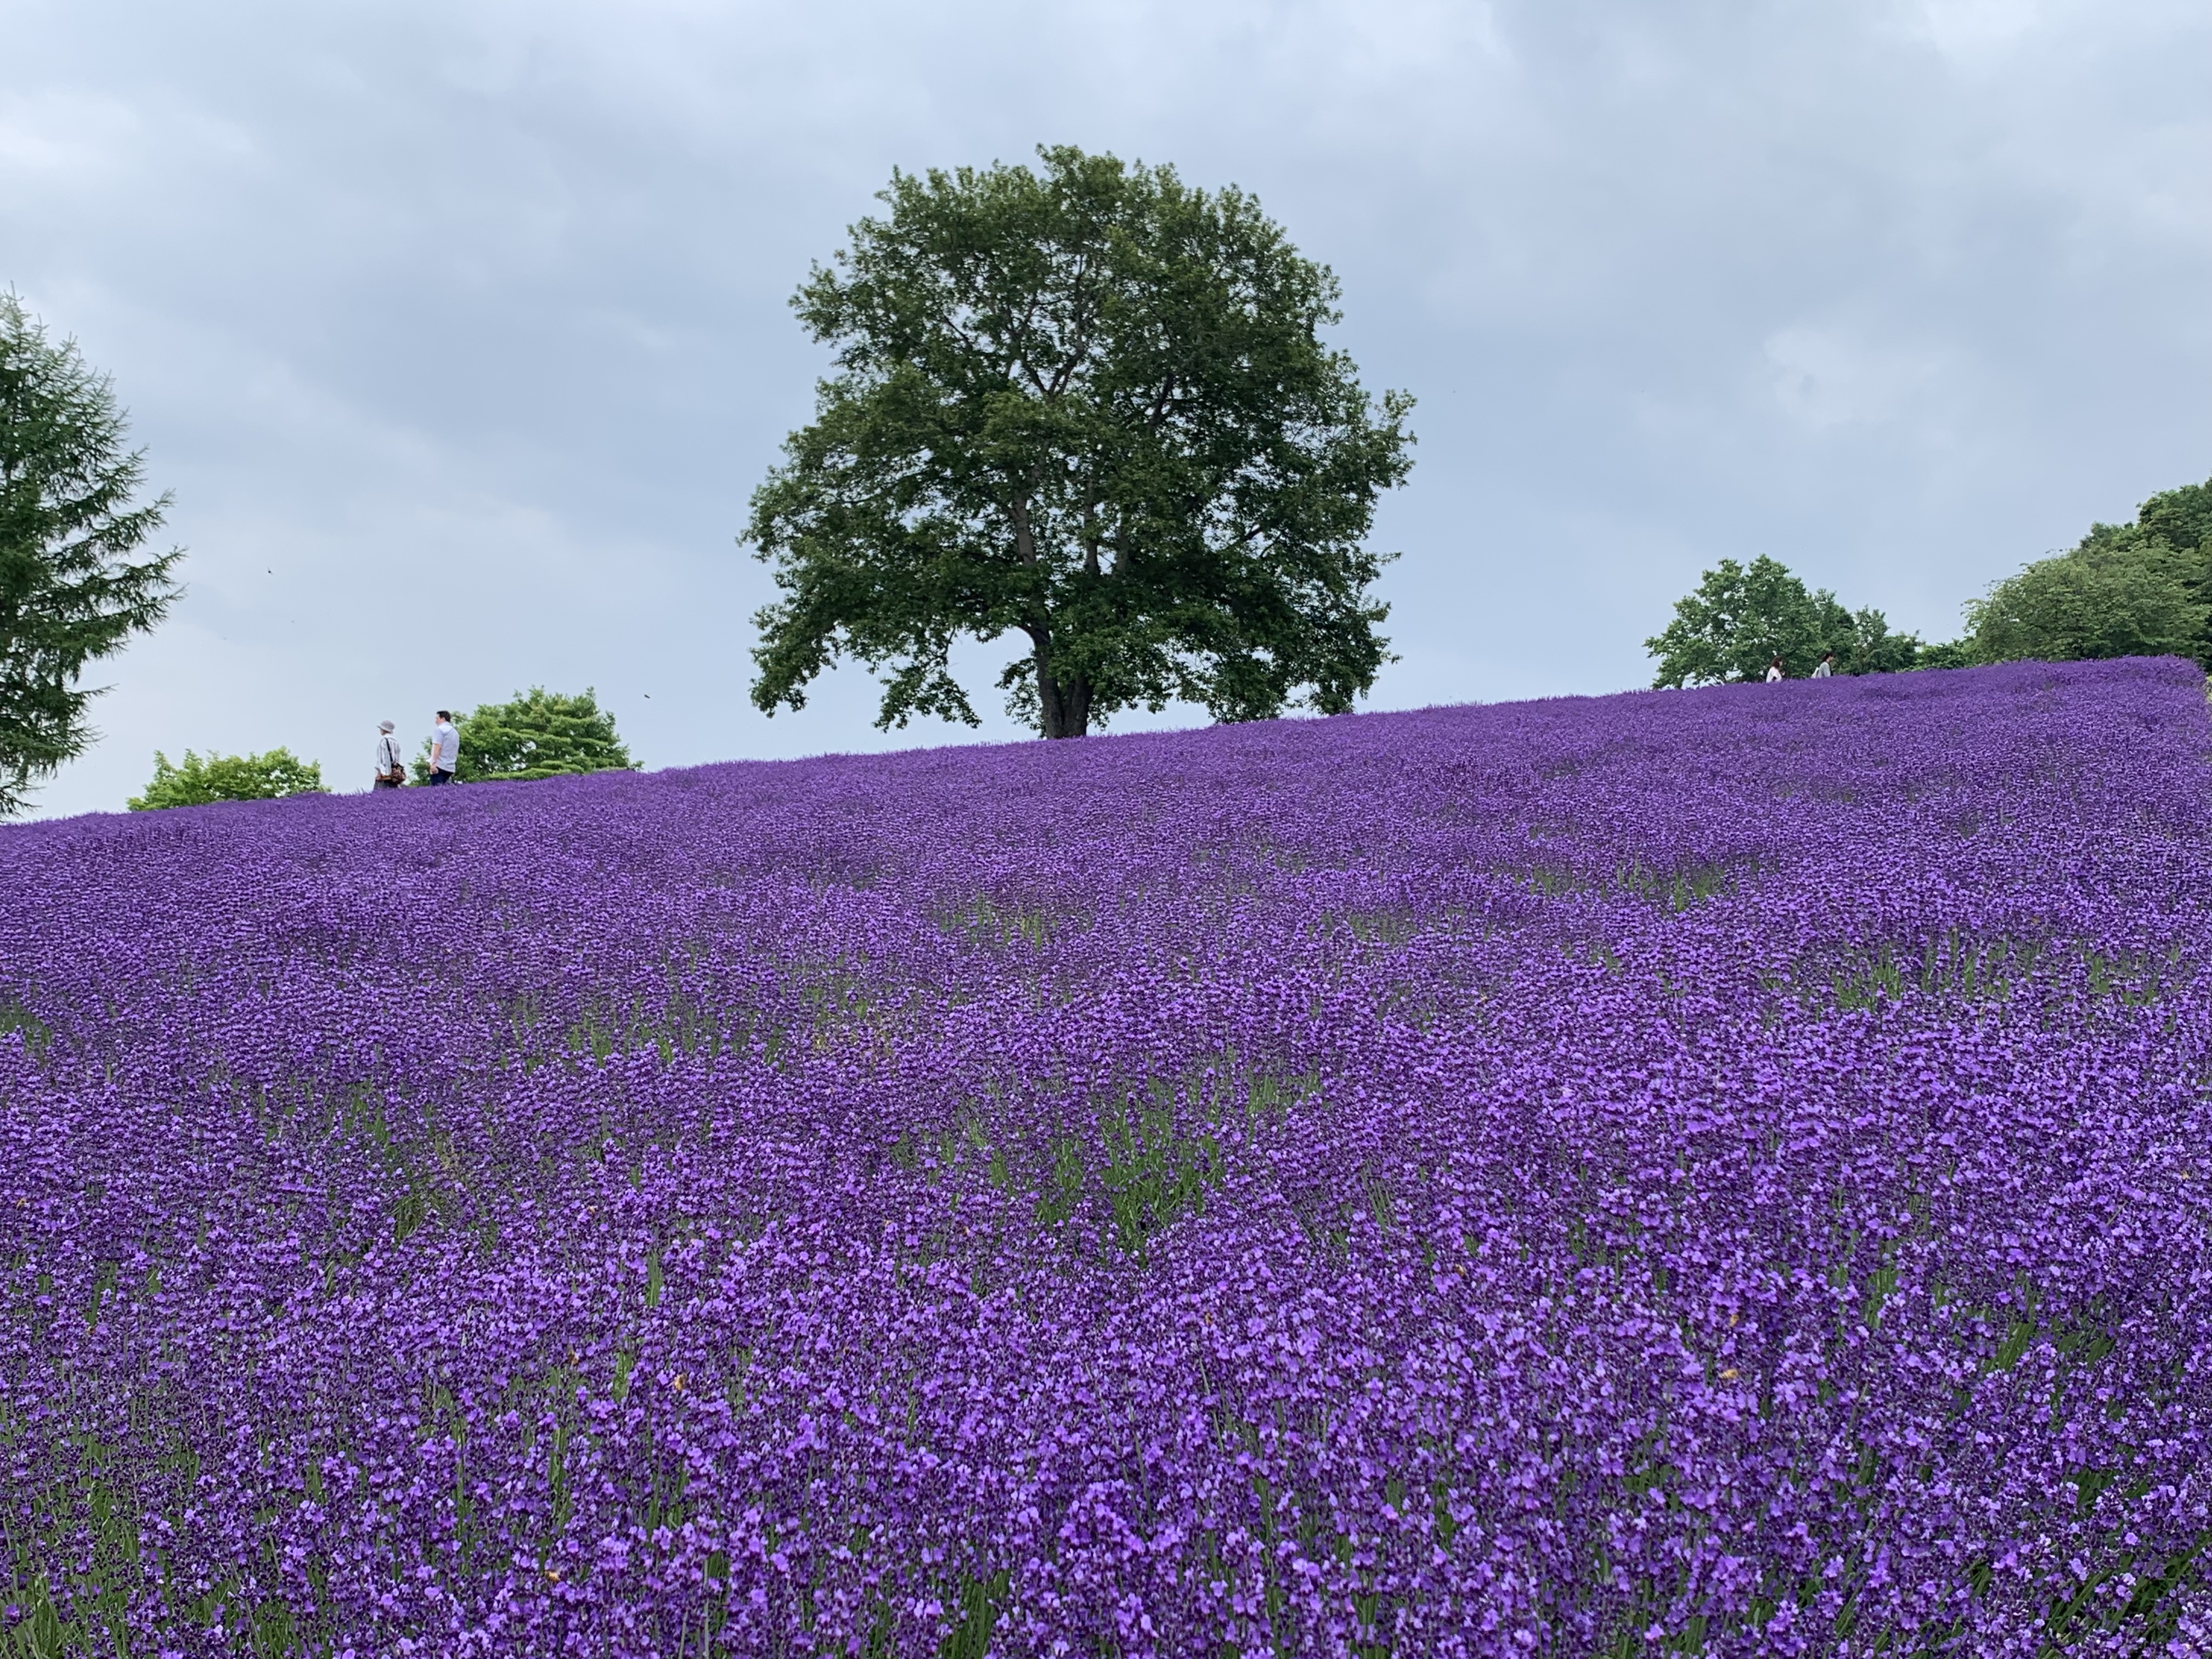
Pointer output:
x,y
1718,1171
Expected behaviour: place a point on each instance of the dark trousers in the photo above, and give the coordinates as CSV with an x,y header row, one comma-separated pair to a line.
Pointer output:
x,y
442,777
387,783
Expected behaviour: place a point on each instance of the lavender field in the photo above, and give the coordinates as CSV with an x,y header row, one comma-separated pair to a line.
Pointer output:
x,y
1717,1172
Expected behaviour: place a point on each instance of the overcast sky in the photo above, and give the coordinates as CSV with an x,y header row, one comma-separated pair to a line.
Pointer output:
x,y
459,329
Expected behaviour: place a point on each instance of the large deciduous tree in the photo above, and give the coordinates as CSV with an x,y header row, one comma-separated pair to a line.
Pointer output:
x,y
70,589
1088,406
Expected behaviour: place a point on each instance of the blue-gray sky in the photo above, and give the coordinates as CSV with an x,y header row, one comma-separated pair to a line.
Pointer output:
x,y
459,327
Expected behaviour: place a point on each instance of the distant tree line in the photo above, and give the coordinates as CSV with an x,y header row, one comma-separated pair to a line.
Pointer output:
x,y
1084,407
1742,618
2134,590
535,734
76,585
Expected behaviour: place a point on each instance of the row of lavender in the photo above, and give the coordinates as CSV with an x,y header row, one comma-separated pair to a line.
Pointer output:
x,y
1718,1171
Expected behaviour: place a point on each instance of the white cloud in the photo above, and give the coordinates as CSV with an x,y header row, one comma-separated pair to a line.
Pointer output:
x,y
52,139
1824,377
1970,28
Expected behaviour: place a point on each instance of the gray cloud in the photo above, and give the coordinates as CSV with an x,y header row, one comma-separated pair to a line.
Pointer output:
x,y
459,330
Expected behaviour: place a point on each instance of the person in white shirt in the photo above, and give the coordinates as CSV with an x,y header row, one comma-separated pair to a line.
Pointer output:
x,y
1826,671
1774,671
445,748
390,768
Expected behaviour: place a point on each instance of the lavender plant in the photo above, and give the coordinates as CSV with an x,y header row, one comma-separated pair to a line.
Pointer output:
x,y
1710,1172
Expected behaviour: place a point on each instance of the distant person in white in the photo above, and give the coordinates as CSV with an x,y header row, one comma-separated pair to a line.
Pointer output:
x,y
1826,671
391,769
1774,671
445,748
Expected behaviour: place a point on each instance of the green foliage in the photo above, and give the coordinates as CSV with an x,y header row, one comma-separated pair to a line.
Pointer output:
x,y
15,1016
70,591
2182,519
1742,618
2139,589
537,734
1088,406
1153,1172
2130,600
197,782
1951,653
977,1603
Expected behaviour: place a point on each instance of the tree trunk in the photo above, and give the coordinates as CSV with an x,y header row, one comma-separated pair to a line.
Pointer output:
x,y
1065,704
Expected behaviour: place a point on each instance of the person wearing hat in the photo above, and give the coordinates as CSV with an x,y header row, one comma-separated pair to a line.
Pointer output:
x,y
390,770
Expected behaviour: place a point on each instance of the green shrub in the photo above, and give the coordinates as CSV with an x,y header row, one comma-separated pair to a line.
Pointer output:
x,y
2119,598
537,734
2124,590
228,777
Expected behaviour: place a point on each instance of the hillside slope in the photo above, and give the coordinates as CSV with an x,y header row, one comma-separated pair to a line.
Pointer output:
x,y
1728,1167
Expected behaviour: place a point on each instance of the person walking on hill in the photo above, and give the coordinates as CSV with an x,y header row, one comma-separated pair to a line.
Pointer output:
x,y
390,768
1826,671
1774,671
445,748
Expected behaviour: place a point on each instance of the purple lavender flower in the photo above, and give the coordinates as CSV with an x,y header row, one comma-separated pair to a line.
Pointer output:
x,y
1722,1169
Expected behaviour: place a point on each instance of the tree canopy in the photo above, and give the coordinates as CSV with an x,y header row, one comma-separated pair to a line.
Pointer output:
x,y
197,782
1741,617
2137,590
1089,406
71,591
2101,601
2182,519
536,734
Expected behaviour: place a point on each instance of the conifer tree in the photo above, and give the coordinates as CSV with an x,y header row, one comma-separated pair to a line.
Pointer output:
x,y
71,591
